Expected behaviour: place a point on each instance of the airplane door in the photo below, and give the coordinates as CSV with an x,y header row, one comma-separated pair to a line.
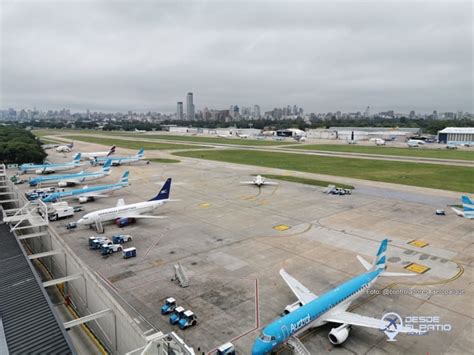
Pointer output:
x,y
286,333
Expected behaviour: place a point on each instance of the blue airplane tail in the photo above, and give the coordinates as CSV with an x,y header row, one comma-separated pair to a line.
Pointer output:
x,y
141,153
106,166
467,203
77,158
124,178
164,193
380,259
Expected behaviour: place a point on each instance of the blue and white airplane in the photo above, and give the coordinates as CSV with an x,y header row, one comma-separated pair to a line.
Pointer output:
x,y
51,168
467,206
330,307
116,161
87,193
72,179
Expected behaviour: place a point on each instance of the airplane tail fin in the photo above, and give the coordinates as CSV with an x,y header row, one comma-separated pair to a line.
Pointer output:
x,y
124,178
467,203
112,150
164,193
106,166
71,145
77,158
141,153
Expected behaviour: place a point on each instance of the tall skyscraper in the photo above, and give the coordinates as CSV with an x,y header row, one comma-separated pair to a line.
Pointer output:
x,y
367,112
295,110
179,111
189,106
256,111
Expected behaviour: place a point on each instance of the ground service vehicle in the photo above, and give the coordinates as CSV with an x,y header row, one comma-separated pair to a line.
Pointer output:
x,y
169,306
187,320
226,349
129,253
121,238
176,315
97,243
109,248
92,238
58,211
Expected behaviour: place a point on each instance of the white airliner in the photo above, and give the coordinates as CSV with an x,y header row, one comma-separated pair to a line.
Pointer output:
x,y
259,180
140,131
415,143
377,141
331,307
94,155
124,214
65,148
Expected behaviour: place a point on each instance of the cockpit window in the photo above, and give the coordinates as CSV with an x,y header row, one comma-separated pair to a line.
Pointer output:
x,y
266,338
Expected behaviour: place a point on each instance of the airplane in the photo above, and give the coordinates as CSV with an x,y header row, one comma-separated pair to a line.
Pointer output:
x,y
377,141
140,131
95,155
65,148
49,146
86,193
330,307
49,168
72,179
415,143
224,135
468,208
124,214
243,136
299,138
116,161
259,180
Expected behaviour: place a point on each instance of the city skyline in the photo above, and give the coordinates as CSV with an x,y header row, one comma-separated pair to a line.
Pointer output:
x,y
321,56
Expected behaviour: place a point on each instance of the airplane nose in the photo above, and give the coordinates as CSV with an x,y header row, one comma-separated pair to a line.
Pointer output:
x,y
260,348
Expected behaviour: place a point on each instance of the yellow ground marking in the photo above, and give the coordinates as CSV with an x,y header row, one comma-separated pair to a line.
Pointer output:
x,y
420,269
204,205
419,243
281,227
248,198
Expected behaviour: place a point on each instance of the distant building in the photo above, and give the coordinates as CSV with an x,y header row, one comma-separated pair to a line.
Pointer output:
x,y
412,114
189,106
367,112
435,115
179,111
256,111
456,135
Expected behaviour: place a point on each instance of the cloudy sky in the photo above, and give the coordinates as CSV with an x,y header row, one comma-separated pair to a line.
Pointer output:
x,y
324,56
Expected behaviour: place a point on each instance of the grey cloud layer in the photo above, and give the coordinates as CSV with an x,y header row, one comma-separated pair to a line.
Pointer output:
x,y
322,56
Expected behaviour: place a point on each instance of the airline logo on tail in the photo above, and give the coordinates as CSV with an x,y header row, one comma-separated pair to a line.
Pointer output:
x,y
112,150
77,158
164,193
141,153
380,258
124,179
107,165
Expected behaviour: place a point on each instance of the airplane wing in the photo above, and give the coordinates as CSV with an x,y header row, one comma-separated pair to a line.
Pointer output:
x,y
142,216
369,322
92,195
301,292
269,183
248,182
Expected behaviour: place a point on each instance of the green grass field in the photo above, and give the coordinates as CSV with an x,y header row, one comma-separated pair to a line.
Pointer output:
x,y
307,181
437,176
122,143
441,153
216,140
164,160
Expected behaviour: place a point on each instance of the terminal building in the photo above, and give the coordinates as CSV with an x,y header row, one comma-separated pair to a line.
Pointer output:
x,y
457,135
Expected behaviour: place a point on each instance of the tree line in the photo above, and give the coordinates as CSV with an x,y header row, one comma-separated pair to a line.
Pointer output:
x,y
18,146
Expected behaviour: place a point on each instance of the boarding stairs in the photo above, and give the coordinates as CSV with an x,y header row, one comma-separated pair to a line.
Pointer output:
x,y
180,275
297,346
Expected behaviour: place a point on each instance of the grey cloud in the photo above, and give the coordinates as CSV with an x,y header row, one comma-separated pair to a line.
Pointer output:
x,y
322,56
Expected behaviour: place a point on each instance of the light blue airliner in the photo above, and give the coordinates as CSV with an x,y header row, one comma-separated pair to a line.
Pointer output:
x,y
51,168
330,307
87,193
64,180
467,206
120,160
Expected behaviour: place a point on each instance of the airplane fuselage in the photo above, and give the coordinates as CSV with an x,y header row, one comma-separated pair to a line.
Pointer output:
x,y
45,168
77,178
309,315
82,192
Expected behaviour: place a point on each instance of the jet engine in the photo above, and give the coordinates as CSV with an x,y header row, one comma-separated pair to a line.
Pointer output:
x,y
63,184
39,171
83,199
339,335
123,222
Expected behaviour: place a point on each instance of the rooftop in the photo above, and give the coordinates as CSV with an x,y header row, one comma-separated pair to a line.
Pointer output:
x,y
468,130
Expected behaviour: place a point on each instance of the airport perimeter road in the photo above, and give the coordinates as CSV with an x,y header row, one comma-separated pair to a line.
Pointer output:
x,y
283,148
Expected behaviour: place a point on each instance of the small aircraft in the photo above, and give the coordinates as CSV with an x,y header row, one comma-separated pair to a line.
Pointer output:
x,y
259,180
116,161
377,141
467,206
51,168
49,146
87,194
95,155
140,131
415,143
224,135
72,179
243,136
330,307
65,148
124,214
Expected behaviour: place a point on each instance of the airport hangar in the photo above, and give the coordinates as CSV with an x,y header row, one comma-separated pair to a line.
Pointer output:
x,y
233,239
456,135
